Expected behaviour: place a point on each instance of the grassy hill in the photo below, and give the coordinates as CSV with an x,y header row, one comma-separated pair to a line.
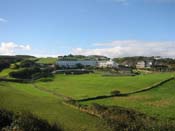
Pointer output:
x,y
24,97
48,60
45,98
89,85
158,102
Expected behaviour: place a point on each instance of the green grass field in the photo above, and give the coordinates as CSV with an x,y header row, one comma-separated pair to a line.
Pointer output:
x,y
18,97
158,102
5,72
49,60
90,85
24,97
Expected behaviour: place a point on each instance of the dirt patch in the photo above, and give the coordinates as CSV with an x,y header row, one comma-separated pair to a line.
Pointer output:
x,y
135,98
160,103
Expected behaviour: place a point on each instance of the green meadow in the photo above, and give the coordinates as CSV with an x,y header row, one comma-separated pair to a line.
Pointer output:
x,y
90,85
5,72
158,102
48,60
24,97
45,103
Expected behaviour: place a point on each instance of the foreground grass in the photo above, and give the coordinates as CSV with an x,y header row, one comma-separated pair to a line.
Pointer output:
x,y
23,97
158,102
90,85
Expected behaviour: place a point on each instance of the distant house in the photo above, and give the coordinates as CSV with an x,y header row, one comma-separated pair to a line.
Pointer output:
x,y
144,64
141,64
104,64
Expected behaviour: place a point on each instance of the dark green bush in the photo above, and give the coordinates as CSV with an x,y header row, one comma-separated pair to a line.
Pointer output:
x,y
26,73
115,92
29,122
123,119
4,64
5,118
27,63
24,122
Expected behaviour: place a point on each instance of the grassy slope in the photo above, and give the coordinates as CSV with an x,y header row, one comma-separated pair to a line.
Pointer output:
x,y
158,102
89,85
48,60
18,97
5,72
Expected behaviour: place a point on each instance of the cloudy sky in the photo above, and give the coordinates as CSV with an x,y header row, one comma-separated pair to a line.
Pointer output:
x,y
114,28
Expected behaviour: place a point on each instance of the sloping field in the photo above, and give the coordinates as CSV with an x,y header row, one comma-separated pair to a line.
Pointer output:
x,y
44,102
90,85
24,97
48,60
158,102
5,72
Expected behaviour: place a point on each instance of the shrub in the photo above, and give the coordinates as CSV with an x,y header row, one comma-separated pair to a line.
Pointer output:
x,y
27,63
4,64
5,118
28,122
25,73
24,122
123,119
14,66
115,92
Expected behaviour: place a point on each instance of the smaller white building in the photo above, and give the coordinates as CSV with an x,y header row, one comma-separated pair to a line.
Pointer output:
x,y
104,64
140,64
144,64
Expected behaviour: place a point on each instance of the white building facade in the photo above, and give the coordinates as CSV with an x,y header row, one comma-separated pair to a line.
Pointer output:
x,y
104,64
144,64
140,64
73,64
92,63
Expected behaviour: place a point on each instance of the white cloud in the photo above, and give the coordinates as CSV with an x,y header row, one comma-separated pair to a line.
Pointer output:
x,y
11,48
3,20
45,55
121,48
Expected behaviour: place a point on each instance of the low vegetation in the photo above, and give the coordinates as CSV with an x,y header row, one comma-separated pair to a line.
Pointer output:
x,y
24,121
125,119
31,73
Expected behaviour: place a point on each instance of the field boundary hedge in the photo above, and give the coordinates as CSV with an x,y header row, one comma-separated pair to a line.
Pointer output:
x,y
152,86
16,80
120,118
155,85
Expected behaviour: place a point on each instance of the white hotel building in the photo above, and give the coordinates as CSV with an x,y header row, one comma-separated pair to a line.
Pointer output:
x,y
93,63
73,63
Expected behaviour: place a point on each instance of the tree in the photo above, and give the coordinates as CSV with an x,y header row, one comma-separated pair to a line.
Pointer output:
x,y
79,66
